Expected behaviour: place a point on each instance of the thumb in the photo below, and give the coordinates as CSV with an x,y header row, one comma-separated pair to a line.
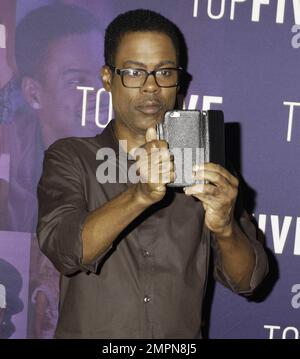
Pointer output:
x,y
151,134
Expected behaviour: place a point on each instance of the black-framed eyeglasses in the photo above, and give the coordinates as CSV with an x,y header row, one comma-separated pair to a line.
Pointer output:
x,y
136,78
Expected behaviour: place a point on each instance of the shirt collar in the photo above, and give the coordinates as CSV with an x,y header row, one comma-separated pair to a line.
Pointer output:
x,y
109,139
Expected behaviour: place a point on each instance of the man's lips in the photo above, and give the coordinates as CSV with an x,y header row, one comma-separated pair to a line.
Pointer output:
x,y
149,107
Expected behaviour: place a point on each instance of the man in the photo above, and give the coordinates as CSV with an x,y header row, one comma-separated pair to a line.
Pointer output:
x,y
57,48
134,256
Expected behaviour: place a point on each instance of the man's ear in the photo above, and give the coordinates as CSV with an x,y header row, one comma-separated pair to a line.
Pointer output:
x,y
31,89
106,77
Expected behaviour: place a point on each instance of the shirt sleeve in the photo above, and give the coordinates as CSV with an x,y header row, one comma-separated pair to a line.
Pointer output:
x,y
63,210
261,262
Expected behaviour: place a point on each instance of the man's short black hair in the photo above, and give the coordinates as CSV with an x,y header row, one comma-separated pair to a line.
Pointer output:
x,y
134,21
43,25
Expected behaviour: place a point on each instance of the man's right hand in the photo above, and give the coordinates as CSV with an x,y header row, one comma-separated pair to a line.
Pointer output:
x,y
155,167
103,225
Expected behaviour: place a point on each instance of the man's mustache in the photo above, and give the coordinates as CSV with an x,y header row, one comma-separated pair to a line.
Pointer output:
x,y
150,101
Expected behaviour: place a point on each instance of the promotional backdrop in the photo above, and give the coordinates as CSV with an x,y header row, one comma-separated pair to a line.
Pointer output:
x,y
243,57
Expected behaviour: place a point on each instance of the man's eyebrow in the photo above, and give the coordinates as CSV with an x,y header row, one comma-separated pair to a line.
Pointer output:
x,y
134,63
163,63
141,64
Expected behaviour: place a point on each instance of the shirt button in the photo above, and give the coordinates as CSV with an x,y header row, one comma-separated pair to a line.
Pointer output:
x,y
146,253
147,299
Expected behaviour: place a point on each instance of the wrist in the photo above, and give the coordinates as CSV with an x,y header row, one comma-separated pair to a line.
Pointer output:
x,y
140,197
227,231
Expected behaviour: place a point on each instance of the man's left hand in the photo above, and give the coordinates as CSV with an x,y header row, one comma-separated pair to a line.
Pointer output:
x,y
218,196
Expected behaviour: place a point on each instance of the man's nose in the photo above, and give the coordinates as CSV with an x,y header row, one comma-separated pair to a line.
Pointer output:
x,y
150,84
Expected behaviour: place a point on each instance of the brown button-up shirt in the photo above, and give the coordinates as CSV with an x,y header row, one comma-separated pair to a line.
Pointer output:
x,y
151,282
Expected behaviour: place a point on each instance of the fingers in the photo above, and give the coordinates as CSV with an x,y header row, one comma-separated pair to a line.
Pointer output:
x,y
168,177
149,147
156,167
161,155
218,196
155,163
195,189
151,134
222,189
155,156
207,193
215,174
204,192
212,196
